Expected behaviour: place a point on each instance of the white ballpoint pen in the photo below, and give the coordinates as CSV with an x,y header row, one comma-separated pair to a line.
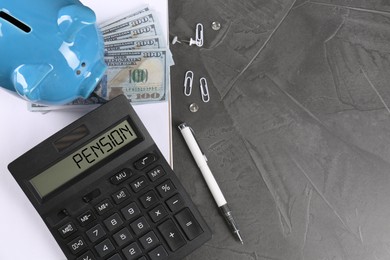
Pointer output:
x,y
201,161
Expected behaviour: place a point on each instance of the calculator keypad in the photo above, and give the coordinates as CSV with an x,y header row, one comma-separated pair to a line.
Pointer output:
x,y
143,218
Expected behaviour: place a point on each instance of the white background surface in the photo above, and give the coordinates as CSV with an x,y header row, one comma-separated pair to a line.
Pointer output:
x,y
24,235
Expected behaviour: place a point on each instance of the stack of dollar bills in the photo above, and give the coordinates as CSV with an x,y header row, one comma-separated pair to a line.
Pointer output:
x,y
138,60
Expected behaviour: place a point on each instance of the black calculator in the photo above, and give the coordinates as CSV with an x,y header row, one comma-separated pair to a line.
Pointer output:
x,y
105,191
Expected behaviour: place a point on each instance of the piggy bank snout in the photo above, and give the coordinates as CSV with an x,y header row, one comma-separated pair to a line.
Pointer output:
x,y
27,80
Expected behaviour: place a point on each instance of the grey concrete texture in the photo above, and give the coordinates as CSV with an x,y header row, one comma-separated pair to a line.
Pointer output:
x,y
297,131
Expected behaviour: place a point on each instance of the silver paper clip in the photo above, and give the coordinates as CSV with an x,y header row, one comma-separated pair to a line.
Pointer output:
x,y
204,90
188,78
199,35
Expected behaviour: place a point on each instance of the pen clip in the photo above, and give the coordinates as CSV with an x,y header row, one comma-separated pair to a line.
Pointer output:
x,y
197,142
188,78
184,125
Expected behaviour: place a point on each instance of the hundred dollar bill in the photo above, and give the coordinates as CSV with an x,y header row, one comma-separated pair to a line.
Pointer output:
x,y
127,15
122,53
145,18
142,76
154,42
143,31
91,102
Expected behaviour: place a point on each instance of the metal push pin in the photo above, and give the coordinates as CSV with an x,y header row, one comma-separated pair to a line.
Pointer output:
x,y
198,37
190,42
194,107
216,26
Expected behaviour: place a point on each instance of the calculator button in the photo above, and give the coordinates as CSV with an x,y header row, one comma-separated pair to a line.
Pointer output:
x,y
77,245
92,195
122,237
158,213
121,176
132,251
120,196
103,207
149,240
113,222
130,211
171,234
86,218
188,223
95,233
142,258
115,257
87,256
158,253
67,230
145,161
166,188
148,199
104,248
175,203
156,173
139,184
140,226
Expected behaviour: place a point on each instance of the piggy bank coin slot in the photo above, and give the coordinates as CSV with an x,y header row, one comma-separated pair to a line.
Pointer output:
x,y
12,20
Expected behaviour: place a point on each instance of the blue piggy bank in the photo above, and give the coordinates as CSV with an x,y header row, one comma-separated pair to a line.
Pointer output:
x,y
51,51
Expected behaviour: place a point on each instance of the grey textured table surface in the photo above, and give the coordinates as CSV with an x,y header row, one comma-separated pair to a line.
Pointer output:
x,y
297,131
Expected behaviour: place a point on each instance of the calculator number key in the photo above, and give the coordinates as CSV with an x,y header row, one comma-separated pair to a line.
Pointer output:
x,y
122,237
145,161
77,245
132,251
104,248
131,211
115,257
140,225
113,222
149,240
95,233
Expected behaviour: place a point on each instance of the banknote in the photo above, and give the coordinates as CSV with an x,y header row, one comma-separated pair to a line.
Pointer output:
x,y
142,31
91,102
138,62
127,15
145,18
142,76
154,42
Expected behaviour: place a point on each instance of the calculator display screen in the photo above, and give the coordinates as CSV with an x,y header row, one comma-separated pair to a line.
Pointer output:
x,y
84,158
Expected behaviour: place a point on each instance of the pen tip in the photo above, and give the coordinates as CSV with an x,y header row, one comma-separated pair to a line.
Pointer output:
x,y
239,237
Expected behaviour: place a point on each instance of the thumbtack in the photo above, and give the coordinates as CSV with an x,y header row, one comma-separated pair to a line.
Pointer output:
x,y
190,42
198,35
